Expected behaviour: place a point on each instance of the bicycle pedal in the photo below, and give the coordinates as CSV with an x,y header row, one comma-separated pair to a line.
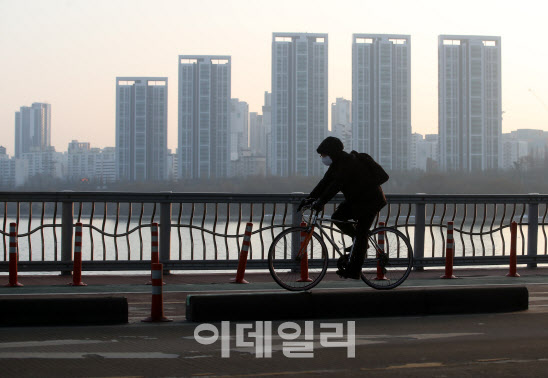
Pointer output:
x,y
341,274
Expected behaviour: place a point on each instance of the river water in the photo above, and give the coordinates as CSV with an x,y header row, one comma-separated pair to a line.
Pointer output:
x,y
187,244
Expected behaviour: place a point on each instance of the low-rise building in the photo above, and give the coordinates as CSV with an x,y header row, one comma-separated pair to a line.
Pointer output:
x,y
46,162
248,165
90,164
520,144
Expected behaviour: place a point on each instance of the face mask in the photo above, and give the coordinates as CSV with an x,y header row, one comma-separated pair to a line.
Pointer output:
x,y
327,160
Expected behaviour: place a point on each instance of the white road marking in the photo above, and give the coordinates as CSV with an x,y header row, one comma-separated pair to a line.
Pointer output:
x,y
360,340
418,336
433,336
26,344
82,355
415,365
538,299
139,337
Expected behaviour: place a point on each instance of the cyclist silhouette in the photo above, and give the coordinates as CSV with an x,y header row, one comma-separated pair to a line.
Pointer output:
x,y
363,199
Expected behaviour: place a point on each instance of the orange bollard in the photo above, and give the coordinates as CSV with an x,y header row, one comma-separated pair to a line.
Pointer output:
x,y
77,269
157,308
380,273
513,258
304,258
154,253
13,257
243,255
449,252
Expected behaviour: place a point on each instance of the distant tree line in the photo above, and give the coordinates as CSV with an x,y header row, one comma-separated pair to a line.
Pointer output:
x,y
522,179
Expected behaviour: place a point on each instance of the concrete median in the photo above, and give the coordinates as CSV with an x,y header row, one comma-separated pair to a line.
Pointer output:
x,y
63,311
355,304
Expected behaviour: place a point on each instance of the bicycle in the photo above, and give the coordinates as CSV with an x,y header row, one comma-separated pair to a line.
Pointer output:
x,y
298,258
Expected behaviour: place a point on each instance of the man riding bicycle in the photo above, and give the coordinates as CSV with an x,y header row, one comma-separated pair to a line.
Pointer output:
x,y
363,195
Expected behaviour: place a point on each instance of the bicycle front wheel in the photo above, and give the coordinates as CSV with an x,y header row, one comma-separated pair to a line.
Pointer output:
x,y
297,259
388,260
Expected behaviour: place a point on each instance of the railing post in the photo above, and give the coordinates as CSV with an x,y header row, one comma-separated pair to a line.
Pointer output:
x,y
296,216
420,225
165,232
532,231
67,222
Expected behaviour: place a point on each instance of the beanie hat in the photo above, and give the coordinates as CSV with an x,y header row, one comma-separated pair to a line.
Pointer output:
x,y
330,146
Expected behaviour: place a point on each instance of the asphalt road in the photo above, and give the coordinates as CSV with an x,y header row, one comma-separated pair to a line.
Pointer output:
x,y
500,345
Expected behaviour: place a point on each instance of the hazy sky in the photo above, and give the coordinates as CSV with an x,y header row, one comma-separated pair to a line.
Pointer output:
x,y
68,53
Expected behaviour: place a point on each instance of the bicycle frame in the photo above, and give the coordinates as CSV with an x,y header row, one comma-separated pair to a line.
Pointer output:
x,y
315,222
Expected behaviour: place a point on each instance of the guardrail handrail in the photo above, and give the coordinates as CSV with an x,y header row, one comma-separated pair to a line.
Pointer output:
x,y
474,216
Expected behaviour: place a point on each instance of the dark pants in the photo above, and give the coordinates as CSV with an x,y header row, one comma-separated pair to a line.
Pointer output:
x,y
365,220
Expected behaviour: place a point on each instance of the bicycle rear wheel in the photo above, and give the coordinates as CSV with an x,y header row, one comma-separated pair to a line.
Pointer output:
x,y
297,260
388,260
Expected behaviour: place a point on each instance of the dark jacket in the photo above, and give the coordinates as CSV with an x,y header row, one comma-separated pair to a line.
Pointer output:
x,y
344,175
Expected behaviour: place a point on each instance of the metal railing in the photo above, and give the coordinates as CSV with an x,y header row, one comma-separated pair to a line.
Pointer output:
x,y
205,230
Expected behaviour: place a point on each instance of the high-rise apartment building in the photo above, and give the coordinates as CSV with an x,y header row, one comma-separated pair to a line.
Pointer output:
x,y
257,135
141,128
423,152
172,166
105,166
299,102
381,97
204,116
470,104
341,122
267,125
32,128
416,138
239,127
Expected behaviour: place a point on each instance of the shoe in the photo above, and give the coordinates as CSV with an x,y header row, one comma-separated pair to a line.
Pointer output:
x,y
341,266
344,273
353,268
348,249
352,274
